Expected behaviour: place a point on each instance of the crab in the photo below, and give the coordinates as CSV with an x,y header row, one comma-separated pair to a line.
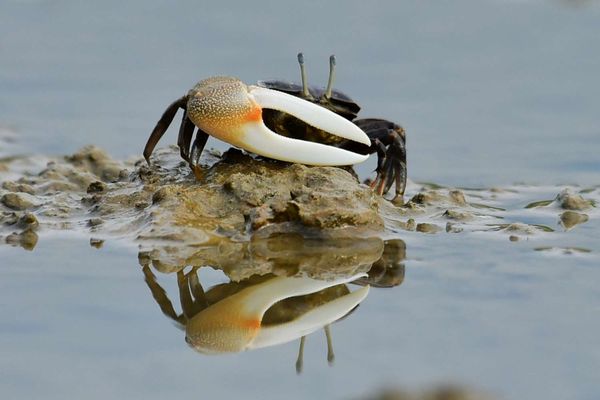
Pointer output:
x,y
257,312
287,122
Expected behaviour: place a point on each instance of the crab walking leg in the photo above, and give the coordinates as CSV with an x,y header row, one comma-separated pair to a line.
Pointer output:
x,y
160,296
186,131
185,297
196,287
162,125
312,114
197,147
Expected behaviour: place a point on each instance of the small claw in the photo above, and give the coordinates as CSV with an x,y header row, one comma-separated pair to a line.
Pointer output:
x,y
231,111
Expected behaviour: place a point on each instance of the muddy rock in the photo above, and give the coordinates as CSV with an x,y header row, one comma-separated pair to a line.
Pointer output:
x,y
240,194
18,201
26,239
232,207
519,228
453,228
96,243
236,196
425,227
287,254
458,215
28,221
570,219
570,201
98,163
96,187
18,187
439,197
8,217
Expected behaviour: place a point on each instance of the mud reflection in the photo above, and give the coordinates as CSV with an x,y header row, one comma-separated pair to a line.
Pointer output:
x,y
301,286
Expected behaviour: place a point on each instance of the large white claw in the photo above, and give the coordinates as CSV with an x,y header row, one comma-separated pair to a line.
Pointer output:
x,y
261,140
312,114
309,322
228,109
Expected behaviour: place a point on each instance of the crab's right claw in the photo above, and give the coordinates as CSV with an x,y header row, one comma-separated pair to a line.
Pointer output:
x,y
229,110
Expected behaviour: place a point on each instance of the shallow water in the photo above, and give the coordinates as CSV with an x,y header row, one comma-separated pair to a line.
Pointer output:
x,y
481,312
490,93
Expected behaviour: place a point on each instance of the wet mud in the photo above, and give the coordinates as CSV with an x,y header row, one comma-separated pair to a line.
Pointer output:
x,y
241,210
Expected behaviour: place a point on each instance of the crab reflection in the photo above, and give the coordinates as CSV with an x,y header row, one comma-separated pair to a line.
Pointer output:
x,y
274,308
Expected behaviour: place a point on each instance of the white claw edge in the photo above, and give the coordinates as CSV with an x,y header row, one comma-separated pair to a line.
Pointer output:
x,y
261,140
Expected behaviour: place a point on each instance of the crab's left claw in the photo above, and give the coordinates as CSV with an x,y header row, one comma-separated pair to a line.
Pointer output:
x,y
231,111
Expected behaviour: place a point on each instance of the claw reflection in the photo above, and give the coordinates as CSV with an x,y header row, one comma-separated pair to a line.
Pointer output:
x,y
236,322
282,304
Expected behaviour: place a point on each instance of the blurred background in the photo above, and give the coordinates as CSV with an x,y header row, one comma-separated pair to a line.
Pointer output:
x,y
489,92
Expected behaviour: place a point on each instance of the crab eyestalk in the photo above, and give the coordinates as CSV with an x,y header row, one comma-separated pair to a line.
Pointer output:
x,y
331,78
305,93
231,111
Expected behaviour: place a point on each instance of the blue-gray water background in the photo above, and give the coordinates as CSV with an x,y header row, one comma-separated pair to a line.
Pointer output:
x,y
490,92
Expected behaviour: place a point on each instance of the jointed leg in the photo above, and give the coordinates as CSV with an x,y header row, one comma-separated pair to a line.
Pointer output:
x,y
197,147
185,297
197,289
391,160
162,125
186,131
161,298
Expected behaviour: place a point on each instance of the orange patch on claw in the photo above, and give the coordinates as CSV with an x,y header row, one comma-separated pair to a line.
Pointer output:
x,y
251,323
255,114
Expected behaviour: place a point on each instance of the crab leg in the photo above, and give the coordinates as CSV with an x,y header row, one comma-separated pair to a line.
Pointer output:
x,y
197,147
186,131
162,125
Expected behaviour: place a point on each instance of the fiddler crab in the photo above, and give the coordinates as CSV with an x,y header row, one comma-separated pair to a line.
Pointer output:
x,y
288,122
